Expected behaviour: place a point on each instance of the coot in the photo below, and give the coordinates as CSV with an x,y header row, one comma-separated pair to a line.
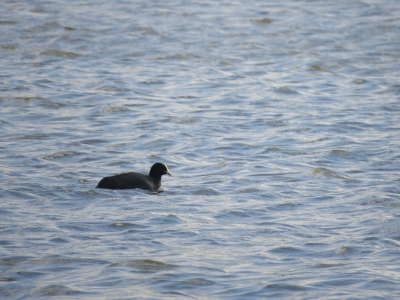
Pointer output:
x,y
134,180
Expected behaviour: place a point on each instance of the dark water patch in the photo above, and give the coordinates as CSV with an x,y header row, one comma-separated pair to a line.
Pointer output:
x,y
318,68
7,292
326,173
59,241
272,149
113,89
234,214
67,261
329,265
205,192
378,200
159,143
285,250
23,274
283,206
7,279
145,265
382,284
177,294
324,198
181,120
372,238
68,28
286,90
9,47
82,237
14,260
269,195
344,250
82,227
18,101
240,292
212,242
5,242
315,244
59,53
287,205
131,227
284,286
359,81
19,193
187,97
115,109
152,81
262,21
168,219
8,22
346,154
33,137
394,107
336,283
5,211
62,154
199,282
180,57
182,232
55,290
38,10
92,141
248,190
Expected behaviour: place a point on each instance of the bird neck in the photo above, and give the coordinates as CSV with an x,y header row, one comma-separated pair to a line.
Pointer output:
x,y
155,176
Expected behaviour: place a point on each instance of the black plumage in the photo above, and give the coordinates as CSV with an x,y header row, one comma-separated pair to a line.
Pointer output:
x,y
133,180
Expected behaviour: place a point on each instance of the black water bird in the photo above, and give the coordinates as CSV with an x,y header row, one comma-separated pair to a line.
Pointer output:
x,y
133,180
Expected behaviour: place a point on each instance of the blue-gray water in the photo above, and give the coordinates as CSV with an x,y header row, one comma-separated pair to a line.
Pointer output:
x,y
280,121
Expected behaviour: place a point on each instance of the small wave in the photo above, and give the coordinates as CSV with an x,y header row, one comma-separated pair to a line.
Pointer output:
x,y
206,192
289,287
317,68
329,265
170,219
115,109
66,260
55,290
234,214
197,281
248,190
285,250
123,225
329,174
271,149
59,240
345,154
60,155
286,90
8,22
263,21
32,137
344,250
144,265
182,120
8,47
59,53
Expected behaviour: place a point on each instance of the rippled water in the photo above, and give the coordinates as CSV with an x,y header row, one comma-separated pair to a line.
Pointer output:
x,y
280,121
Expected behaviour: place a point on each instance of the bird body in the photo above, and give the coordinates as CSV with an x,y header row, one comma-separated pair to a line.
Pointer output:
x,y
133,180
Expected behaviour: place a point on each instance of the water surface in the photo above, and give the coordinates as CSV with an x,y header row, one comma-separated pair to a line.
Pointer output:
x,y
279,120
